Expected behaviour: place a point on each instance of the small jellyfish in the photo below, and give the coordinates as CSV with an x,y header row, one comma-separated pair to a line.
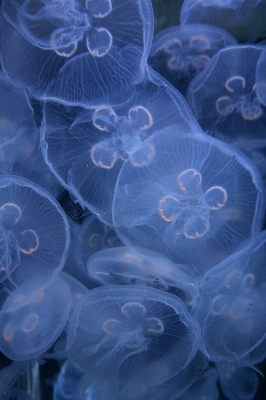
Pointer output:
x,y
179,53
131,333
237,383
82,46
137,266
32,318
34,228
223,96
231,310
229,14
85,149
196,202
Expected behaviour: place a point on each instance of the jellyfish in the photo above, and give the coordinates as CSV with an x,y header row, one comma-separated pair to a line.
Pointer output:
x,y
231,309
223,97
137,266
35,232
179,53
132,334
237,383
195,203
81,44
32,318
228,14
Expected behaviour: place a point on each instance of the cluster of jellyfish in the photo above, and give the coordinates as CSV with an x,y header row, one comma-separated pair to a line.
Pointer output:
x,y
132,200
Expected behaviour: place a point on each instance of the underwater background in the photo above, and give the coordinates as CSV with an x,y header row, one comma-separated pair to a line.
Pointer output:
x,y
125,247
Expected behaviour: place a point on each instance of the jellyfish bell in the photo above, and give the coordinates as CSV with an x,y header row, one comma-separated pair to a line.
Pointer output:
x,y
187,204
127,339
32,318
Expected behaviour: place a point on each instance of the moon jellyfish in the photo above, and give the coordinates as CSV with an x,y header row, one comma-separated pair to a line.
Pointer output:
x,y
224,13
179,53
85,149
82,45
196,202
32,318
34,228
223,96
137,266
237,383
232,309
135,334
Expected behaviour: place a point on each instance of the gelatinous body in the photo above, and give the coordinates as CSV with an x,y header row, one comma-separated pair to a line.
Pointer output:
x,y
223,13
136,266
237,382
34,228
231,309
179,53
79,44
122,331
223,97
190,203
33,317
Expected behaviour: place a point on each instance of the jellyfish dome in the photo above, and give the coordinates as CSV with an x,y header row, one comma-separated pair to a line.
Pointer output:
x,y
129,265
132,334
223,97
33,317
82,45
35,231
217,12
179,53
196,200
232,310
